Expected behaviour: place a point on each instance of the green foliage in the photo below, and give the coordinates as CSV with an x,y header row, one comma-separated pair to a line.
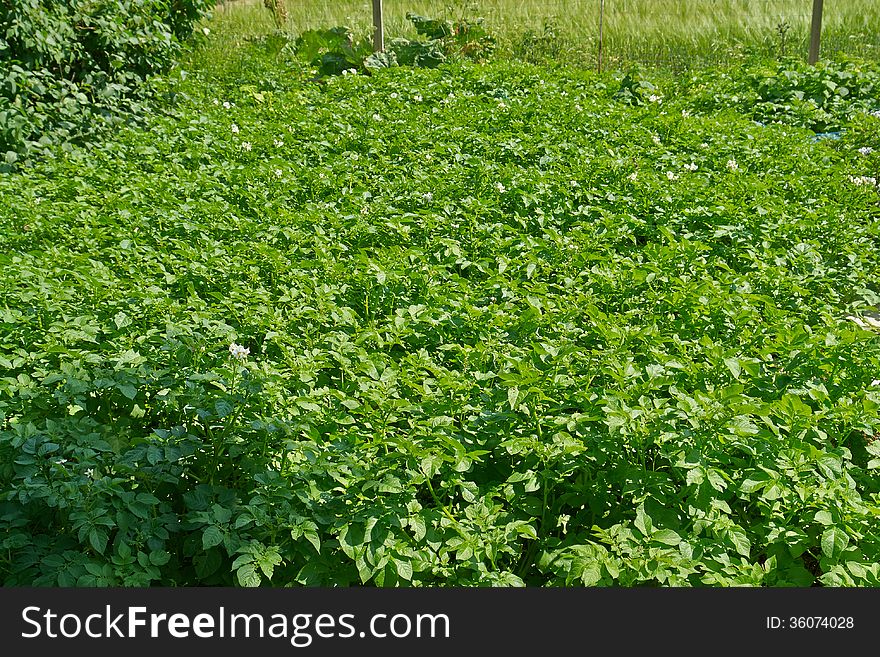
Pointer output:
x,y
540,46
503,330
821,98
464,37
336,50
332,51
634,90
67,67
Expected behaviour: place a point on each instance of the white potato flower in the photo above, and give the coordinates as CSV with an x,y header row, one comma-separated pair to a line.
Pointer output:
x,y
238,352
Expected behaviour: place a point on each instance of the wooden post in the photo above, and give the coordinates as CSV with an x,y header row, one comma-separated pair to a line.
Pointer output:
x,y
816,31
601,32
379,32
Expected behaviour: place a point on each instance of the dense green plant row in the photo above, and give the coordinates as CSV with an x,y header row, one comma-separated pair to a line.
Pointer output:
x,y
69,67
470,326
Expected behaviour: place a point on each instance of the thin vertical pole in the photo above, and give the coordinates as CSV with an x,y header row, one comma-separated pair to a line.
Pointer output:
x,y
379,32
816,31
601,31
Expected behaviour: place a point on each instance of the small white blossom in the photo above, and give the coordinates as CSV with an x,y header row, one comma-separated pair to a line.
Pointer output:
x,y
227,104
278,173
732,165
671,175
500,187
633,176
238,352
704,145
90,472
656,139
418,99
246,145
563,522
685,114
876,113
393,94
427,197
206,31
377,117
655,98
278,143
501,105
690,167
866,150
216,102
574,183
234,129
863,180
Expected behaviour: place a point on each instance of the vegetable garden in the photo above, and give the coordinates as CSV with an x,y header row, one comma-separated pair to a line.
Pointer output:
x,y
479,324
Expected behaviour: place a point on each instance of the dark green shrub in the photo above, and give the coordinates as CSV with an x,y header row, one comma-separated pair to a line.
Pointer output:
x,y
69,66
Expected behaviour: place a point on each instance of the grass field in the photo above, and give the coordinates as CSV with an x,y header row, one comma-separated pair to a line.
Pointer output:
x,y
668,33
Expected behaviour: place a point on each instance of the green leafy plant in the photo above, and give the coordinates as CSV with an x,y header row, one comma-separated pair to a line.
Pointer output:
x,y
475,325
332,51
68,68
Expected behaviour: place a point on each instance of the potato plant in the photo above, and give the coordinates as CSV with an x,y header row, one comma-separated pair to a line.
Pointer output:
x,y
476,325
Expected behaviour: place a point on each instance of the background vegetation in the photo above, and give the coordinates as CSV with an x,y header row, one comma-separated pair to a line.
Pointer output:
x,y
666,33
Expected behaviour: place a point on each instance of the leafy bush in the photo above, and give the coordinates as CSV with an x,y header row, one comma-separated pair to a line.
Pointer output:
x,y
821,97
67,66
332,51
336,50
633,88
464,37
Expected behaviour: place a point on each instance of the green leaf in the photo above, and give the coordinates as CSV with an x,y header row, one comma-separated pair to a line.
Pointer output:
x,y
740,541
247,576
211,537
98,539
417,523
128,390
734,367
268,560
754,481
667,537
404,569
159,557
834,541
590,572
643,522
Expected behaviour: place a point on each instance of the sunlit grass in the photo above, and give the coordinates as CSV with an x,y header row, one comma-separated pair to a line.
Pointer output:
x,y
664,32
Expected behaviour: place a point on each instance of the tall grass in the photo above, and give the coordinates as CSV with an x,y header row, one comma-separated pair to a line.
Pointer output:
x,y
677,33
